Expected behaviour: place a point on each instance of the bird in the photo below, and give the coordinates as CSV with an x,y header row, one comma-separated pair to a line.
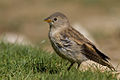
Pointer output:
x,y
72,45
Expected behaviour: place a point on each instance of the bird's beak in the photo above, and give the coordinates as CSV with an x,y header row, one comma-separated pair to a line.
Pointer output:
x,y
48,20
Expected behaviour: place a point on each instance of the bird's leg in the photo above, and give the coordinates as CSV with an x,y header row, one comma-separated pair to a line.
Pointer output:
x,y
70,66
78,65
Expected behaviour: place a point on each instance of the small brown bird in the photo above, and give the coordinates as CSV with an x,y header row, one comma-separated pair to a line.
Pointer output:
x,y
71,45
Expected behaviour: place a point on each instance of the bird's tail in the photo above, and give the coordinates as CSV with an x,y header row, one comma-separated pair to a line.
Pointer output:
x,y
108,64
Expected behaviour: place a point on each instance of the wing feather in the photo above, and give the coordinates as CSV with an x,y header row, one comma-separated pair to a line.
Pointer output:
x,y
84,42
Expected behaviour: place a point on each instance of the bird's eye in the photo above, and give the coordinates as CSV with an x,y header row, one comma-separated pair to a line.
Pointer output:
x,y
55,19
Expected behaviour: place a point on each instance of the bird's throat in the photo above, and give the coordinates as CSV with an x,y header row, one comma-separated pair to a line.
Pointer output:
x,y
55,30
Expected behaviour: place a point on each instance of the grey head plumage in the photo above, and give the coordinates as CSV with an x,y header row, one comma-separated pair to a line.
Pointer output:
x,y
57,19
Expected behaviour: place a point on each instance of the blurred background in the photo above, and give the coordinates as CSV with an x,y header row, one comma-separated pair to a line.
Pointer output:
x,y
23,20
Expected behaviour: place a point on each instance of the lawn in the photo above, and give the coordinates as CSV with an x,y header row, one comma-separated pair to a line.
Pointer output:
x,y
18,62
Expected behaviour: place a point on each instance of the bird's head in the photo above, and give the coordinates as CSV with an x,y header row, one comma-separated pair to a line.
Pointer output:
x,y
57,20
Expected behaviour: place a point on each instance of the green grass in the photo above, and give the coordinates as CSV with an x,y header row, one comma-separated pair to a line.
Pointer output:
x,y
32,63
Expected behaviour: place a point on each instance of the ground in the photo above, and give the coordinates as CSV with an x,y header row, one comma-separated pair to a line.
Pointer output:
x,y
18,62
101,18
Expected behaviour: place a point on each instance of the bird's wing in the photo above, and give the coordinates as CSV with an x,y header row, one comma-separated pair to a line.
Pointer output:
x,y
88,48
91,53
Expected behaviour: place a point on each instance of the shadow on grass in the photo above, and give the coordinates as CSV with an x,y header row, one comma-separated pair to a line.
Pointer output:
x,y
42,68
